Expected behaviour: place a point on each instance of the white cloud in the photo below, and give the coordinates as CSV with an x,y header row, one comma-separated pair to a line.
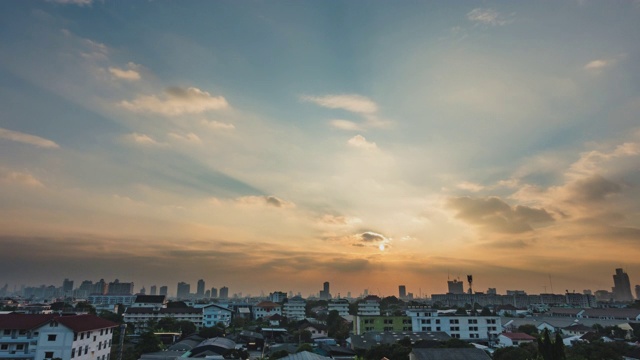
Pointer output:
x,y
218,125
189,137
27,139
130,74
141,139
466,185
19,178
597,65
359,141
487,17
345,125
177,101
350,102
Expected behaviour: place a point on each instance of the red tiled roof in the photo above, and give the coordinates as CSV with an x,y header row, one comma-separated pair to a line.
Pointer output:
x,y
267,304
518,336
24,321
85,322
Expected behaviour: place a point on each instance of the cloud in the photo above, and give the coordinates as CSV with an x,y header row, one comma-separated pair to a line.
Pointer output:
x,y
130,74
369,237
176,101
350,102
141,139
594,188
268,200
598,64
359,141
338,220
218,125
345,125
19,178
27,139
465,185
72,2
189,137
487,17
496,215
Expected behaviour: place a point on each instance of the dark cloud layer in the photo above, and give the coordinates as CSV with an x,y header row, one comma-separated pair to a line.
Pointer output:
x,y
498,216
594,188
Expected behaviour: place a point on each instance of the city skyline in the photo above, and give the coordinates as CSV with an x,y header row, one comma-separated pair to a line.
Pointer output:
x,y
255,144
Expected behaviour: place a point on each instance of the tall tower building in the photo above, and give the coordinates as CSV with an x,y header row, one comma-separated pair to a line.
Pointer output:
x,y
214,293
67,287
638,292
224,292
325,294
402,292
164,290
455,287
200,291
184,290
622,286
153,290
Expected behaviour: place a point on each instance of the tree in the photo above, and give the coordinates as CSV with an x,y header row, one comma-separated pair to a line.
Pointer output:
x,y
149,342
186,328
211,332
551,350
485,312
514,353
85,307
528,329
167,324
304,347
279,354
461,311
108,315
597,350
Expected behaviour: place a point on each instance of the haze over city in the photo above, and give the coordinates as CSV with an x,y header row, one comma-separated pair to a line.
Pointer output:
x,y
277,145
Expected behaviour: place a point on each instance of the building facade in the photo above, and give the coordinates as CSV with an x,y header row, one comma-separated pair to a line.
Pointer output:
x,y
484,328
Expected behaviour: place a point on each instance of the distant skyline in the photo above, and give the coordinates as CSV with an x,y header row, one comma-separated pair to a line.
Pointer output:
x,y
274,145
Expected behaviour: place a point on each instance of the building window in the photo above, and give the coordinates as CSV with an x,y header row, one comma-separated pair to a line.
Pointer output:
x,y
81,336
51,337
7,332
20,347
75,336
48,354
73,353
86,349
4,347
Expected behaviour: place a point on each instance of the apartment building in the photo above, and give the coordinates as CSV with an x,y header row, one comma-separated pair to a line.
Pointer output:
x,y
465,327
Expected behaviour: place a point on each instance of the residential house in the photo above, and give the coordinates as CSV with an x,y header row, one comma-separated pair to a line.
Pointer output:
x,y
213,314
266,309
49,336
514,339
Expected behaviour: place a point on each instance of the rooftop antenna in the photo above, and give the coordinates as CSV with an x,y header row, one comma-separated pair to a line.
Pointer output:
x,y
550,283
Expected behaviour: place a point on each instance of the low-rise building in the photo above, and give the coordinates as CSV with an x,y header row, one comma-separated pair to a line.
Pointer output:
x,y
295,308
339,305
362,324
213,314
140,317
369,306
514,339
266,309
465,327
49,336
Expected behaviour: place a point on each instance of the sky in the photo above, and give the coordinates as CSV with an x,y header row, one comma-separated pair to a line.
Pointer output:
x,y
275,145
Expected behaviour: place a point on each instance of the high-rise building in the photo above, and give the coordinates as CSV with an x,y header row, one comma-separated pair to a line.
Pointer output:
x,y
455,287
200,291
184,290
214,293
402,292
164,290
153,290
622,286
638,292
325,294
67,287
120,288
224,292
100,287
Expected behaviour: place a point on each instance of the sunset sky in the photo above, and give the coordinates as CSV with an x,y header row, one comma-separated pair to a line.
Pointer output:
x,y
275,145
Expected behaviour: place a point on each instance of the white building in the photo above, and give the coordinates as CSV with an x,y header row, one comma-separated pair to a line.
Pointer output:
x,y
295,308
213,314
369,306
339,305
266,309
463,327
97,300
514,339
48,336
140,317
